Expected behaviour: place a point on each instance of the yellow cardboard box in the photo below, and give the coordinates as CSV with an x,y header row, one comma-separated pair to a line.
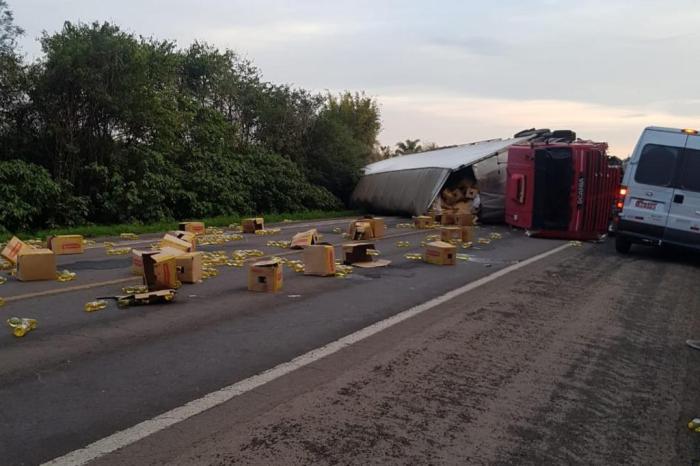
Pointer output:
x,y
189,267
422,221
304,239
463,234
159,271
193,227
319,259
13,248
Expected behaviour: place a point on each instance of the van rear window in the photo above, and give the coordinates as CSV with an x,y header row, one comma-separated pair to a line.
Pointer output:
x,y
657,165
690,175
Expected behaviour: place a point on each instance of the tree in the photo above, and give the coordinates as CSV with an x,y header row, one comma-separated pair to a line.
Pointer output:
x,y
409,146
9,32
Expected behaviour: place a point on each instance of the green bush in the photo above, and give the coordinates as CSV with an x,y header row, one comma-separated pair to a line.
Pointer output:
x,y
26,194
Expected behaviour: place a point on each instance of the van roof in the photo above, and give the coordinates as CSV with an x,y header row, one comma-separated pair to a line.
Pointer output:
x,y
665,130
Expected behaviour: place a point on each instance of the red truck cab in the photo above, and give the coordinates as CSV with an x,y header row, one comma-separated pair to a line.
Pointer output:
x,y
561,189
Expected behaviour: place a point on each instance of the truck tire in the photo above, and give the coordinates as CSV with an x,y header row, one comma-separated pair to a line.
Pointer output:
x,y
622,244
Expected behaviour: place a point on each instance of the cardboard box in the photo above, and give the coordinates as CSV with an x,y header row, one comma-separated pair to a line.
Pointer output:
x,y
36,264
447,218
65,244
465,220
251,225
189,267
360,230
193,227
472,193
378,226
137,261
159,271
185,236
265,276
356,255
422,221
440,253
319,260
173,245
13,248
304,239
463,234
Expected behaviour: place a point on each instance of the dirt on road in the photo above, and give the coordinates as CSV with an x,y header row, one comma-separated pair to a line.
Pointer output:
x,y
578,359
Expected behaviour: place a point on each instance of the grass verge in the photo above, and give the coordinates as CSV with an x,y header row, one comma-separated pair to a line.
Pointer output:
x,y
92,231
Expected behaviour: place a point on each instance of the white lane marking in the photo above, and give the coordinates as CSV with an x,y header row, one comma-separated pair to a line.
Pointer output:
x,y
144,429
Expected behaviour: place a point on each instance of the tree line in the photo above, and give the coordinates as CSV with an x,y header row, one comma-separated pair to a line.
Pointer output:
x,y
108,127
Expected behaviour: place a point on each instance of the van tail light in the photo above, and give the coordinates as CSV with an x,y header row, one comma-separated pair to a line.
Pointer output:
x,y
623,191
621,195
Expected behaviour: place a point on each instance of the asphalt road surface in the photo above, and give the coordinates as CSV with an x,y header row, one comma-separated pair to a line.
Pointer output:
x,y
578,358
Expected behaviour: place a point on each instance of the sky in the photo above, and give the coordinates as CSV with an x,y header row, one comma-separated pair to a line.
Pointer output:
x,y
447,71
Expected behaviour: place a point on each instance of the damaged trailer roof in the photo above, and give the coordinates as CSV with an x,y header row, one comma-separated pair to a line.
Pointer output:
x,y
410,183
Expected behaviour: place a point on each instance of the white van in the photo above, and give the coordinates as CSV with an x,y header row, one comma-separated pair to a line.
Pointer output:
x,y
661,189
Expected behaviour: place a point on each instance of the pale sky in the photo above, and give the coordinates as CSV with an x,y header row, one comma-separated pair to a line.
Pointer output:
x,y
446,71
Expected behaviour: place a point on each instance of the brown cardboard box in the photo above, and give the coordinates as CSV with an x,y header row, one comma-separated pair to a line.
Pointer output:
x,y
319,259
251,225
304,239
463,234
440,253
159,271
356,255
265,276
465,220
360,230
65,244
447,218
422,221
13,248
172,243
137,261
193,227
185,236
189,267
36,264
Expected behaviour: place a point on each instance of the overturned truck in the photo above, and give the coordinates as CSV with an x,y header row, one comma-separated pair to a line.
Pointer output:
x,y
469,177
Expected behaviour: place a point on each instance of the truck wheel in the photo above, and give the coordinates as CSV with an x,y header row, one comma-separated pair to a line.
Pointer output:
x,y
622,244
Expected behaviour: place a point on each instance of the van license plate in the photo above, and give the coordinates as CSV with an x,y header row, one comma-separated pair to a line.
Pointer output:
x,y
645,204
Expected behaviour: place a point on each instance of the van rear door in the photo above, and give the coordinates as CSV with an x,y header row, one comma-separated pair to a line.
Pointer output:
x,y
650,187
683,225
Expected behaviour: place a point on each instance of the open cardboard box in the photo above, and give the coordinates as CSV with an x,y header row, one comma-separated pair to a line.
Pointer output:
x,y
185,236
367,228
36,264
319,260
440,253
174,244
251,225
193,227
357,256
304,239
159,271
65,244
265,276
13,248
189,267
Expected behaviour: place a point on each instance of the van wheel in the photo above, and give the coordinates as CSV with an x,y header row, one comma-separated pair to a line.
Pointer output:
x,y
622,244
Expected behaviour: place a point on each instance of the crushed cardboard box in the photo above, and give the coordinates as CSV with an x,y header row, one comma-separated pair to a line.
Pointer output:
x,y
189,267
65,244
159,271
265,276
440,253
251,225
13,248
357,254
193,227
36,264
463,234
304,239
319,260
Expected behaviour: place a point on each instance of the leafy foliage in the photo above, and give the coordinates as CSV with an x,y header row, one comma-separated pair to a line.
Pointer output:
x,y
119,128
